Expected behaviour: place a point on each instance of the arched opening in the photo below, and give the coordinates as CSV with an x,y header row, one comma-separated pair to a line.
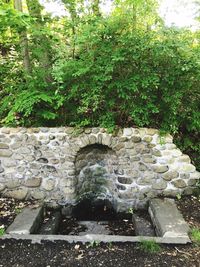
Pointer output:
x,y
96,168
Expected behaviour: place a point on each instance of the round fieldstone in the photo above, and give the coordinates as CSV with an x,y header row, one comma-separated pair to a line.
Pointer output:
x,y
148,159
95,130
129,145
192,182
184,158
142,167
179,183
157,153
5,153
92,139
106,140
12,183
147,139
160,185
134,159
168,176
33,182
124,180
19,193
37,194
88,130
135,139
24,150
171,193
5,130
144,181
3,146
151,131
188,191
48,184
121,187
127,131
42,160
119,146
161,168
187,168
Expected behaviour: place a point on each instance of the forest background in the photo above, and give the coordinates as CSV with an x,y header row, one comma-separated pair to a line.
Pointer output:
x,y
125,68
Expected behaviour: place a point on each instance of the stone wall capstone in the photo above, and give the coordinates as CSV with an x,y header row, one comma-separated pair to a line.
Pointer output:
x,y
62,165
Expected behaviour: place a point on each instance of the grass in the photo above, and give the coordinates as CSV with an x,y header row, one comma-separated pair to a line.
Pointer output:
x,y
2,231
195,235
149,246
93,244
18,210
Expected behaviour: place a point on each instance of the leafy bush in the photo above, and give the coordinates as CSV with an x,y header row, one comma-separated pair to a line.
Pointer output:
x,y
122,70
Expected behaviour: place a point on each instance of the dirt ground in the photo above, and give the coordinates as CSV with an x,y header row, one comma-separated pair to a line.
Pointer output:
x,y
49,254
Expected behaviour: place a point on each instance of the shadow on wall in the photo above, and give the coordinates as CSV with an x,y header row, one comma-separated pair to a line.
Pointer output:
x,y
96,169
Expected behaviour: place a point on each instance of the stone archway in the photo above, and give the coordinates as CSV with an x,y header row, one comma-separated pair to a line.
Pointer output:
x,y
96,168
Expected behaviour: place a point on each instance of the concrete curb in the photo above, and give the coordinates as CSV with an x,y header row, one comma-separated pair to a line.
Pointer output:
x,y
100,238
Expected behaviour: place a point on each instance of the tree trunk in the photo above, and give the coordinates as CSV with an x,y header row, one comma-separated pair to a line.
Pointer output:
x,y
41,40
71,7
23,41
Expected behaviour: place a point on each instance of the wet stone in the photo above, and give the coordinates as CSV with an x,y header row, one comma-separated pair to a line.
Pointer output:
x,y
49,168
124,180
121,187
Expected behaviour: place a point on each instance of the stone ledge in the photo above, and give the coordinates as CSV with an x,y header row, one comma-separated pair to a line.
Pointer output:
x,y
167,219
26,222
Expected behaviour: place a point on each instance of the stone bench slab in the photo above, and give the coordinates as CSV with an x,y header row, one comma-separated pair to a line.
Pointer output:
x,y
167,219
27,221
142,226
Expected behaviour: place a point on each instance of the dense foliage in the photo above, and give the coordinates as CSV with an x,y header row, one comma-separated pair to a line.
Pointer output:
x,y
89,69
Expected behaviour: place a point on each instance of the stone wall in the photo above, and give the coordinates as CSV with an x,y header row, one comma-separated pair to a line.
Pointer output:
x,y
62,164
